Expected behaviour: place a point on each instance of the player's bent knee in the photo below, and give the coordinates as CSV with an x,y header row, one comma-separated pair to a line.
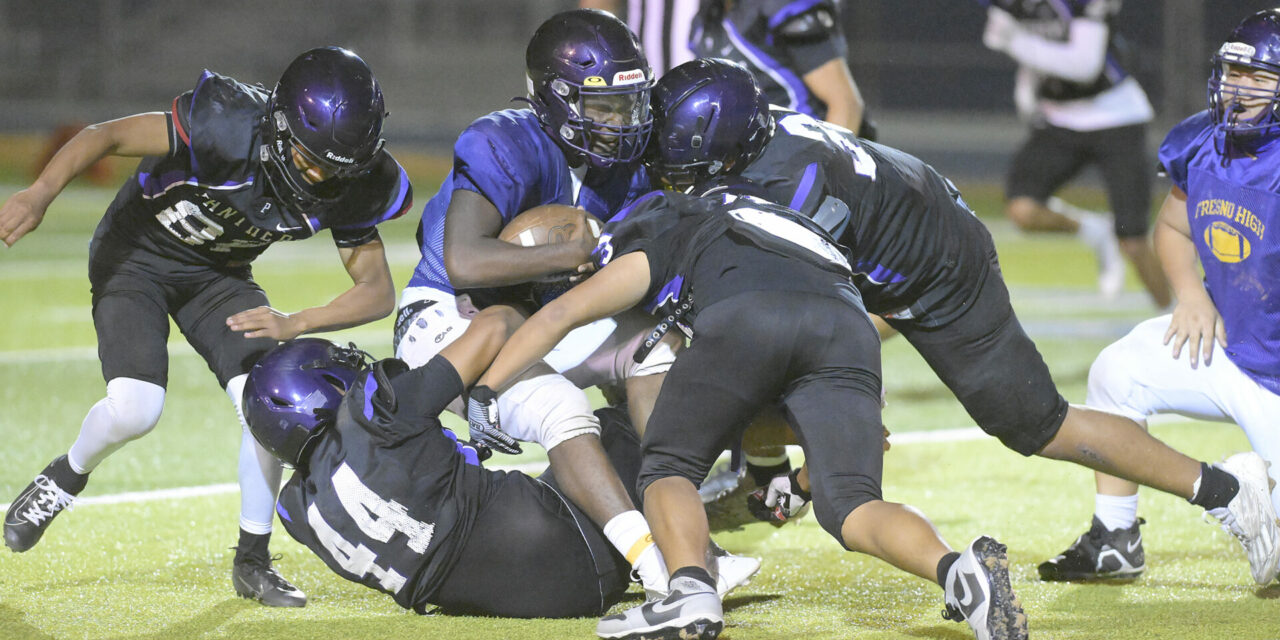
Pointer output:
x,y
546,409
134,407
831,514
1111,378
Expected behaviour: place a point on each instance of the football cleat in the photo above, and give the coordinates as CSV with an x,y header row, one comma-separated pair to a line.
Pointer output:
x,y
34,508
256,579
691,611
978,591
722,480
732,571
1099,554
1250,516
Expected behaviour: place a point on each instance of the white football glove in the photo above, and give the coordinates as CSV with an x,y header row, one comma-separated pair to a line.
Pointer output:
x,y
1000,30
780,500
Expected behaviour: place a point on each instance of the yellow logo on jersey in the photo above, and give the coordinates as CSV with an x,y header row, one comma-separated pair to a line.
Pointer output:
x,y
1227,244
594,81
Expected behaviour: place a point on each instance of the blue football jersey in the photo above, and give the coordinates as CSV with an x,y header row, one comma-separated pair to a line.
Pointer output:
x,y
1230,209
507,158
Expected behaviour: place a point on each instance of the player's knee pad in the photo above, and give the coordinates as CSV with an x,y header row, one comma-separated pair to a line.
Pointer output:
x,y
546,409
133,408
427,322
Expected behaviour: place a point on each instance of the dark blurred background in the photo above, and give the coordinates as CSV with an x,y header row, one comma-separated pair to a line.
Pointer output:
x,y
933,87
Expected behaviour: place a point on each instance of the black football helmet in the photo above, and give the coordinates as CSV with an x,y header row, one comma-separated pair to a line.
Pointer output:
x,y
328,107
710,118
293,393
589,85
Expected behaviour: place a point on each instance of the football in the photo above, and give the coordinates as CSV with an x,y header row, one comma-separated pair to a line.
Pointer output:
x,y
546,224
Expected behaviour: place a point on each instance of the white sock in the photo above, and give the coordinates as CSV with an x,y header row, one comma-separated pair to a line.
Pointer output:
x,y
1116,512
629,533
259,472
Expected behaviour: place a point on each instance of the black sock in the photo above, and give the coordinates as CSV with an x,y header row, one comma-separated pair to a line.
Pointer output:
x,y
1217,488
944,565
762,474
68,480
697,573
252,545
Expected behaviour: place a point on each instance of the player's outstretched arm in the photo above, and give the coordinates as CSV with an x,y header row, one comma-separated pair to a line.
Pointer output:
x,y
145,134
372,296
1078,59
472,352
620,285
1195,321
475,257
834,86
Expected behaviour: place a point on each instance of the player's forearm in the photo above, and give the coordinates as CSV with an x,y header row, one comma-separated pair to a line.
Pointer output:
x,y
1180,262
361,304
529,344
1079,59
143,134
489,262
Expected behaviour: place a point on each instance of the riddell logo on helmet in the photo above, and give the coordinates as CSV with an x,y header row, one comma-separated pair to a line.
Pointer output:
x,y
628,77
1238,49
337,158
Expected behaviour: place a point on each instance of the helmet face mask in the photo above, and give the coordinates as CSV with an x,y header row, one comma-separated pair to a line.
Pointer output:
x,y
1244,100
589,85
293,393
328,110
710,120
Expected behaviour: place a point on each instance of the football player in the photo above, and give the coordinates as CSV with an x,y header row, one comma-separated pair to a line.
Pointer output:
x,y
579,144
389,498
768,301
1084,108
795,49
1224,165
230,169
924,262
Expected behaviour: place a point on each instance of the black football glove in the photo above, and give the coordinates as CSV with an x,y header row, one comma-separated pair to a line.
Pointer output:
x,y
486,430
780,500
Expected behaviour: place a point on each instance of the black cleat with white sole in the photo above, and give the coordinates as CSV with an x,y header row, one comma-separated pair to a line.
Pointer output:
x,y
1099,554
35,508
255,578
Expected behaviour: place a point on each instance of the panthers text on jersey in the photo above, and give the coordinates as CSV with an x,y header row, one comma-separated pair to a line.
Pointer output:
x,y
916,248
1231,206
508,158
208,204
778,40
388,499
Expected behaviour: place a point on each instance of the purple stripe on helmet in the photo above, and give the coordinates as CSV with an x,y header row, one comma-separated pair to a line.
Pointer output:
x,y
370,388
806,186
788,12
792,83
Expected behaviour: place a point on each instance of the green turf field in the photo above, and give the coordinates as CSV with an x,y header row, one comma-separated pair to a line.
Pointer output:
x,y
159,568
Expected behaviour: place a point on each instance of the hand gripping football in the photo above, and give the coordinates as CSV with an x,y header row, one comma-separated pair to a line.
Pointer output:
x,y
547,224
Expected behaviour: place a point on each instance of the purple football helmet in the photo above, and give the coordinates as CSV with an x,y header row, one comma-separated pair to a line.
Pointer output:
x,y
589,86
1253,44
710,118
329,108
292,393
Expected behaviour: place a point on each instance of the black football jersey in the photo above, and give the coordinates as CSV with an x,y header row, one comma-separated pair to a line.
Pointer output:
x,y
705,249
778,40
207,203
1052,19
387,498
917,250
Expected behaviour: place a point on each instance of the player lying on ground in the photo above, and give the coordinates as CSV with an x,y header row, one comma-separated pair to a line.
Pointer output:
x,y
925,263
773,316
389,498
228,171
1224,165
